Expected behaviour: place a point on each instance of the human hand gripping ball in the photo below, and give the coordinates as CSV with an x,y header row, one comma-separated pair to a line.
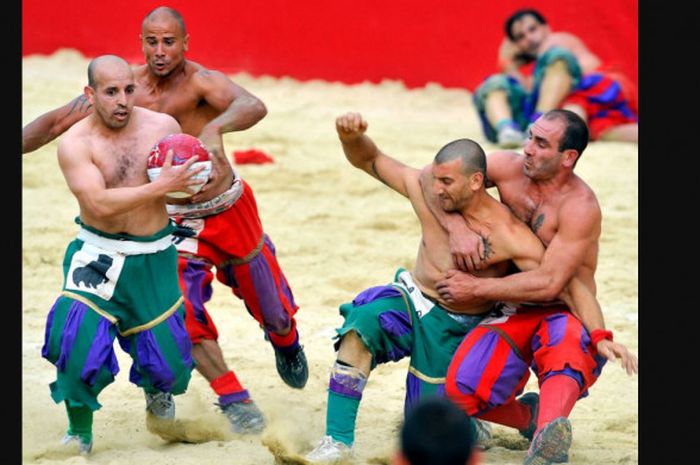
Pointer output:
x,y
184,147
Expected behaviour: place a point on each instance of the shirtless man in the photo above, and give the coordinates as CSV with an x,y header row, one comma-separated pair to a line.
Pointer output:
x,y
567,75
541,189
408,317
123,243
217,227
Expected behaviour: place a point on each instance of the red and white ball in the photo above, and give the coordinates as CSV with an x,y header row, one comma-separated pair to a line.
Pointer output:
x,y
184,147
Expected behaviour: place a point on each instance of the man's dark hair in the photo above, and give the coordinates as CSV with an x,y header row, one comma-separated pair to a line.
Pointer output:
x,y
171,11
575,130
469,152
518,15
437,432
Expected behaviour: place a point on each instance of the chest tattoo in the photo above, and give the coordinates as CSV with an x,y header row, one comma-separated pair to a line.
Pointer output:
x,y
538,222
488,247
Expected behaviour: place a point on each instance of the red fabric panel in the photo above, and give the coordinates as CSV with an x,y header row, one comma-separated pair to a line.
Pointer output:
x,y
452,42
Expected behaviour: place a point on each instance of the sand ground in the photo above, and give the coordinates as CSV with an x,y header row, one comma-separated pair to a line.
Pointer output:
x,y
337,231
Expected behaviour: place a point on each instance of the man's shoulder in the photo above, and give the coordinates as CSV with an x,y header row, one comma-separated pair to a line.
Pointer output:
x,y
198,72
504,164
580,200
151,117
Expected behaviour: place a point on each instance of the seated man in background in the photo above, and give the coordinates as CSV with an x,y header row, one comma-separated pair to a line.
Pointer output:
x,y
566,75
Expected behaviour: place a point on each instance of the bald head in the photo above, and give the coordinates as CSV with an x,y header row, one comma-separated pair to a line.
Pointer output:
x,y
105,65
467,151
164,12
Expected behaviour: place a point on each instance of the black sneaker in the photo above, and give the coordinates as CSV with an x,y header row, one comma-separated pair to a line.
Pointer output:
x,y
532,400
292,367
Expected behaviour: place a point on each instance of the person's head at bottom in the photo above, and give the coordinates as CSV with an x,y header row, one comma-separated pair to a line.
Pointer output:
x,y
437,432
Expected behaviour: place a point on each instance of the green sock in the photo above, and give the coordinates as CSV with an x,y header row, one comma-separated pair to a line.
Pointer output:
x,y
340,417
504,122
79,421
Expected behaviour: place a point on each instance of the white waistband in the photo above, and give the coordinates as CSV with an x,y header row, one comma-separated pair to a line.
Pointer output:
x,y
124,247
218,204
421,304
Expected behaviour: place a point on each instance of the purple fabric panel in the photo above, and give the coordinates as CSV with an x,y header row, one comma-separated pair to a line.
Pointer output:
x,y
374,293
124,343
474,363
197,292
341,389
101,353
536,343
508,380
556,328
152,361
47,332
273,313
585,340
413,391
182,339
284,285
76,312
394,354
395,322
235,397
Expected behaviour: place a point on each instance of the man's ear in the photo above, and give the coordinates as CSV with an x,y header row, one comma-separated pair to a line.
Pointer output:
x,y
570,157
476,180
90,94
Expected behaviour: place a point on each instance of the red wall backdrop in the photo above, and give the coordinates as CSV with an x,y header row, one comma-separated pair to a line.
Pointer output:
x,y
451,42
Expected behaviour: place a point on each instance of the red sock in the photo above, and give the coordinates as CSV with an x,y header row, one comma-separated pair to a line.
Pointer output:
x,y
226,384
287,340
513,414
558,394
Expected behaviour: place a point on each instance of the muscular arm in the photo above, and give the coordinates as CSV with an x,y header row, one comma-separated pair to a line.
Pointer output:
x,y
579,229
239,111
362,153
87,183
52,124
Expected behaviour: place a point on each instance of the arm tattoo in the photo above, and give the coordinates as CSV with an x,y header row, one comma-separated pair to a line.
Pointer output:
x,y
488,250
81,104
376,174
538,222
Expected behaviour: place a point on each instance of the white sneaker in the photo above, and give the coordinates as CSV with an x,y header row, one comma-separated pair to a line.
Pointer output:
x,y
84,448
510,138
161,405
329,451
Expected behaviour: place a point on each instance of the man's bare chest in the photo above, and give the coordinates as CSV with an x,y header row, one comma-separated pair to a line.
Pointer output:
x,y
537,213
123,164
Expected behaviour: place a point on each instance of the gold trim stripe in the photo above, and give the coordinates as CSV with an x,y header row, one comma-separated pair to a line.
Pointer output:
x,y
136,329
155,321
90,304
425,378
247,258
